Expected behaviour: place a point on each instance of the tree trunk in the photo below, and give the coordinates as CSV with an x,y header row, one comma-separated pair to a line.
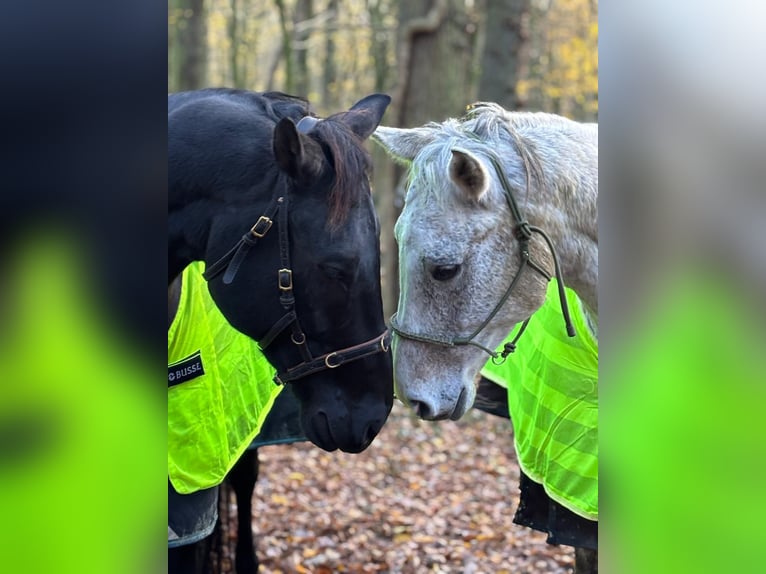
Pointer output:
x,y
190,46
435,53
304,11
535,99
434,58
289,84
234,44
503,61
330,72
380,43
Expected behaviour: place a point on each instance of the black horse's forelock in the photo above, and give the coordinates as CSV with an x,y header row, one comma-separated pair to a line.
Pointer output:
x,y
352,164
351,161
278,105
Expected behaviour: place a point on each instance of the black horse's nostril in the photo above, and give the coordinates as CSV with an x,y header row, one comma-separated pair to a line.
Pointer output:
x,y
369,434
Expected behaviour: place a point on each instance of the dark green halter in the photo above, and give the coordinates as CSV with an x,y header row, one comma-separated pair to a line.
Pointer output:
x,y
523,232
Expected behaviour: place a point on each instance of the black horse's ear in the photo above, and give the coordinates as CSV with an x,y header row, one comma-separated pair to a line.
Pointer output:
x,y
297,155
365,115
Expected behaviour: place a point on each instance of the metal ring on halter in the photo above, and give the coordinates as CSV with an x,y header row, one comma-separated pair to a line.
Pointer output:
x,y
327,362
383,346
303,338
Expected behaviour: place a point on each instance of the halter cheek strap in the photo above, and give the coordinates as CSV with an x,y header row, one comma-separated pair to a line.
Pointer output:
x,y
232,259
229,265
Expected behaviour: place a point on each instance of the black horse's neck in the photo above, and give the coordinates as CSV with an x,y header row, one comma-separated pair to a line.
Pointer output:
x,y
174,299
189,224
185,240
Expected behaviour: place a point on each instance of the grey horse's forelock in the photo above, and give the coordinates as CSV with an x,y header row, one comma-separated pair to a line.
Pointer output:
x,y
481,132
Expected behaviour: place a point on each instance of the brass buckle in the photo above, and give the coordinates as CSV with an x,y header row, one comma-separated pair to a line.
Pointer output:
x,y
264,222
285,279
327,362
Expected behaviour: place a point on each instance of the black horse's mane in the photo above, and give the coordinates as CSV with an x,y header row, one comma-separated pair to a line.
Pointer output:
x,y
352,163
350,159
280,105
343,148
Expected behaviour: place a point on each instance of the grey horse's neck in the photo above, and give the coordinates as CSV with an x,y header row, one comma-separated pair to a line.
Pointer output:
x,y
565,206
578,256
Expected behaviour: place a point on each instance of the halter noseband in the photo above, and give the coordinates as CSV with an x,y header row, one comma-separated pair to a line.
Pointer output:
x,y
230,263
523,231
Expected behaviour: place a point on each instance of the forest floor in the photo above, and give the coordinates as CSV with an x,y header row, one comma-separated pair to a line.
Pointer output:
x,y
424,497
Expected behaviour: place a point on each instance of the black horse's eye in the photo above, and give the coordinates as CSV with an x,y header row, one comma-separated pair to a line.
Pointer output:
x,y
341,273
444,272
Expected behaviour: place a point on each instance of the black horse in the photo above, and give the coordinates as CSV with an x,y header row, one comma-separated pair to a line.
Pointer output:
x,y
277,203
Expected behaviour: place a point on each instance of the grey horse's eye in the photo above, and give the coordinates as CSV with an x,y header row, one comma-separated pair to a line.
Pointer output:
x,y
444,272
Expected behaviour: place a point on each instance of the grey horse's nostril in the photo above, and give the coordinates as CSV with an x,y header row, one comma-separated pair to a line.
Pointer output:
x,y
422,409
427,412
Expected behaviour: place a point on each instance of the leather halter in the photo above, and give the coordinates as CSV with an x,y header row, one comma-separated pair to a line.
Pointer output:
x,y
523,232
230,263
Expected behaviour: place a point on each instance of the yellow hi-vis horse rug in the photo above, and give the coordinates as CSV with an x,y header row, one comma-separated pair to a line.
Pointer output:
x,y
552,383
220,389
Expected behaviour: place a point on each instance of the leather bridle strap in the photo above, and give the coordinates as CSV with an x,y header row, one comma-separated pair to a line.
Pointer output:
x,y
527,230
379,344
232,259
231,262
286,297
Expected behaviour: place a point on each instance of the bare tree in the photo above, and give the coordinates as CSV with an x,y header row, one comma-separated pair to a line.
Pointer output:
x,y
435,53
188,47
234,44
302,26
287,47
503,59
330,69
380,45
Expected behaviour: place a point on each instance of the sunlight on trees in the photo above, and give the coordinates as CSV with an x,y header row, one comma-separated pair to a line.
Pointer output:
x,y
350,49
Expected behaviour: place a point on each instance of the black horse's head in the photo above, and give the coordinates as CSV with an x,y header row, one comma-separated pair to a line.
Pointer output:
x,y
305,279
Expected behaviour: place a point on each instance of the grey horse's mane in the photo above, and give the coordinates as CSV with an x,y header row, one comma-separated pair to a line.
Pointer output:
x,y
487,130
541,153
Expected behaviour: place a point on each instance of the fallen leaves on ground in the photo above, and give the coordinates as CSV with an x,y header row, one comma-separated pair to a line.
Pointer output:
x,y
424,497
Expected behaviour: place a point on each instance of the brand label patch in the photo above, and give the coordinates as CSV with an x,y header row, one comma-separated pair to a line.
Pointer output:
x,y
185,369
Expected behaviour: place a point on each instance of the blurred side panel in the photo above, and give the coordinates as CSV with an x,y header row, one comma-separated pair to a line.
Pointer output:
x,y
82,258
683,273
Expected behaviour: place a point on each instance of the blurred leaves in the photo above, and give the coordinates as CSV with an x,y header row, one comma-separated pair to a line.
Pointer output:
x,y
563,74
425,497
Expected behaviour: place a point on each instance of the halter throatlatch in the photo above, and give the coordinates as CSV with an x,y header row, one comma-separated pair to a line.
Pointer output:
x,y
523,232
230,263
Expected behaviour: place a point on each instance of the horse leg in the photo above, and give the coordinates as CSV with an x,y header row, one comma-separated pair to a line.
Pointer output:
x,y
242,478
189,559
586,561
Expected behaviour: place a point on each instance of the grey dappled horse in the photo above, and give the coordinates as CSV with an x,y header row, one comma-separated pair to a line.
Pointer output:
x,y
490,198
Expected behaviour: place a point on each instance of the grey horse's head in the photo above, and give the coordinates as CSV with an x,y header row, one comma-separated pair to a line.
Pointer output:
x,y
458,253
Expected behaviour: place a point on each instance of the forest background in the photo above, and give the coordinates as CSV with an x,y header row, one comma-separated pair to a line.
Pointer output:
x,y
433,57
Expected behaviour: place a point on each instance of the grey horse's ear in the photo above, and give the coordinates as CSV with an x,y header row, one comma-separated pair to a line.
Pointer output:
x,y
402,144
468,173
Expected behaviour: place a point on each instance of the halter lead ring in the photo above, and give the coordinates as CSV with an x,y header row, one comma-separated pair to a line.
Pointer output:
x,y
523,231
229,265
